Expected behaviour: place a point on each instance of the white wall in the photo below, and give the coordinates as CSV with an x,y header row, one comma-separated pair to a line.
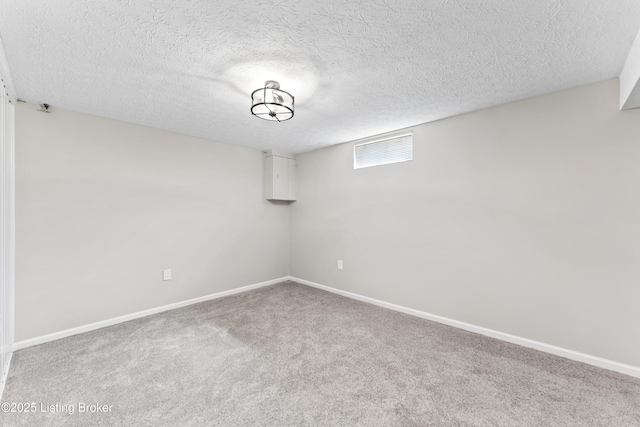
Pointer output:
x,y
7,204
522,218
104,206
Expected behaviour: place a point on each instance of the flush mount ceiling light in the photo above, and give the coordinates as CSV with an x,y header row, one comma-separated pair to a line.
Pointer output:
x,y
271,103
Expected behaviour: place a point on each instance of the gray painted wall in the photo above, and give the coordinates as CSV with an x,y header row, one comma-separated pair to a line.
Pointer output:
x,y
104,206
522,218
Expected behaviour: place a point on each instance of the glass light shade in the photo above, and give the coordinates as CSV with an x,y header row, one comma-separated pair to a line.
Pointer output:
x,y
271,103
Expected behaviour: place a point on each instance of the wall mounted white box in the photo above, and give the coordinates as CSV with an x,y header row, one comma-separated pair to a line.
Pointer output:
x,y
280,176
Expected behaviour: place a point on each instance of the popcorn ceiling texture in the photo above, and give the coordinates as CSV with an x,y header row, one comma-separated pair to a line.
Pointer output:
x,y
357,68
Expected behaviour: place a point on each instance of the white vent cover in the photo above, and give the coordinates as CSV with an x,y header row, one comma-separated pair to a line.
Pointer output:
x,y
392,149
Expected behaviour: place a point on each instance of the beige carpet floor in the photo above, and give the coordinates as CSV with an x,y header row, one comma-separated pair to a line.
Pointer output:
x,y
290,355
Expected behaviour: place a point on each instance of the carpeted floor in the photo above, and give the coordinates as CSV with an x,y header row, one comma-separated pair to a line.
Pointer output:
x,y
290,355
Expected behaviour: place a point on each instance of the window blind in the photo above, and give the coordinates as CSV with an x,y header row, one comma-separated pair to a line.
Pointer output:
x,y
394,149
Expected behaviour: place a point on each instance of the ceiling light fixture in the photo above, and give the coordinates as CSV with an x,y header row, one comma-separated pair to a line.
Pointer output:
x,y
272,103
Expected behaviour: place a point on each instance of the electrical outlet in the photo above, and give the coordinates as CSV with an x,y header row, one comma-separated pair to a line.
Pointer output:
x,y
166,274
339,264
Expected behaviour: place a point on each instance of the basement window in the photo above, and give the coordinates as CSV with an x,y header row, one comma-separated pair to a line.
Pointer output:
x,y
391,149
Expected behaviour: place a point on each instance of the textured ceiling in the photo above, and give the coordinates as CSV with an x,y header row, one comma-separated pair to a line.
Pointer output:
x,y
356,67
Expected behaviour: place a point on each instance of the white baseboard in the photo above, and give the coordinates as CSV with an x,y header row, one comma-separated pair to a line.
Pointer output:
x,y
611,365
4,377
104,323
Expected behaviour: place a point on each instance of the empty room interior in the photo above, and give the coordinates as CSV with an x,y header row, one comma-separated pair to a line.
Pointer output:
x,y
282,213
